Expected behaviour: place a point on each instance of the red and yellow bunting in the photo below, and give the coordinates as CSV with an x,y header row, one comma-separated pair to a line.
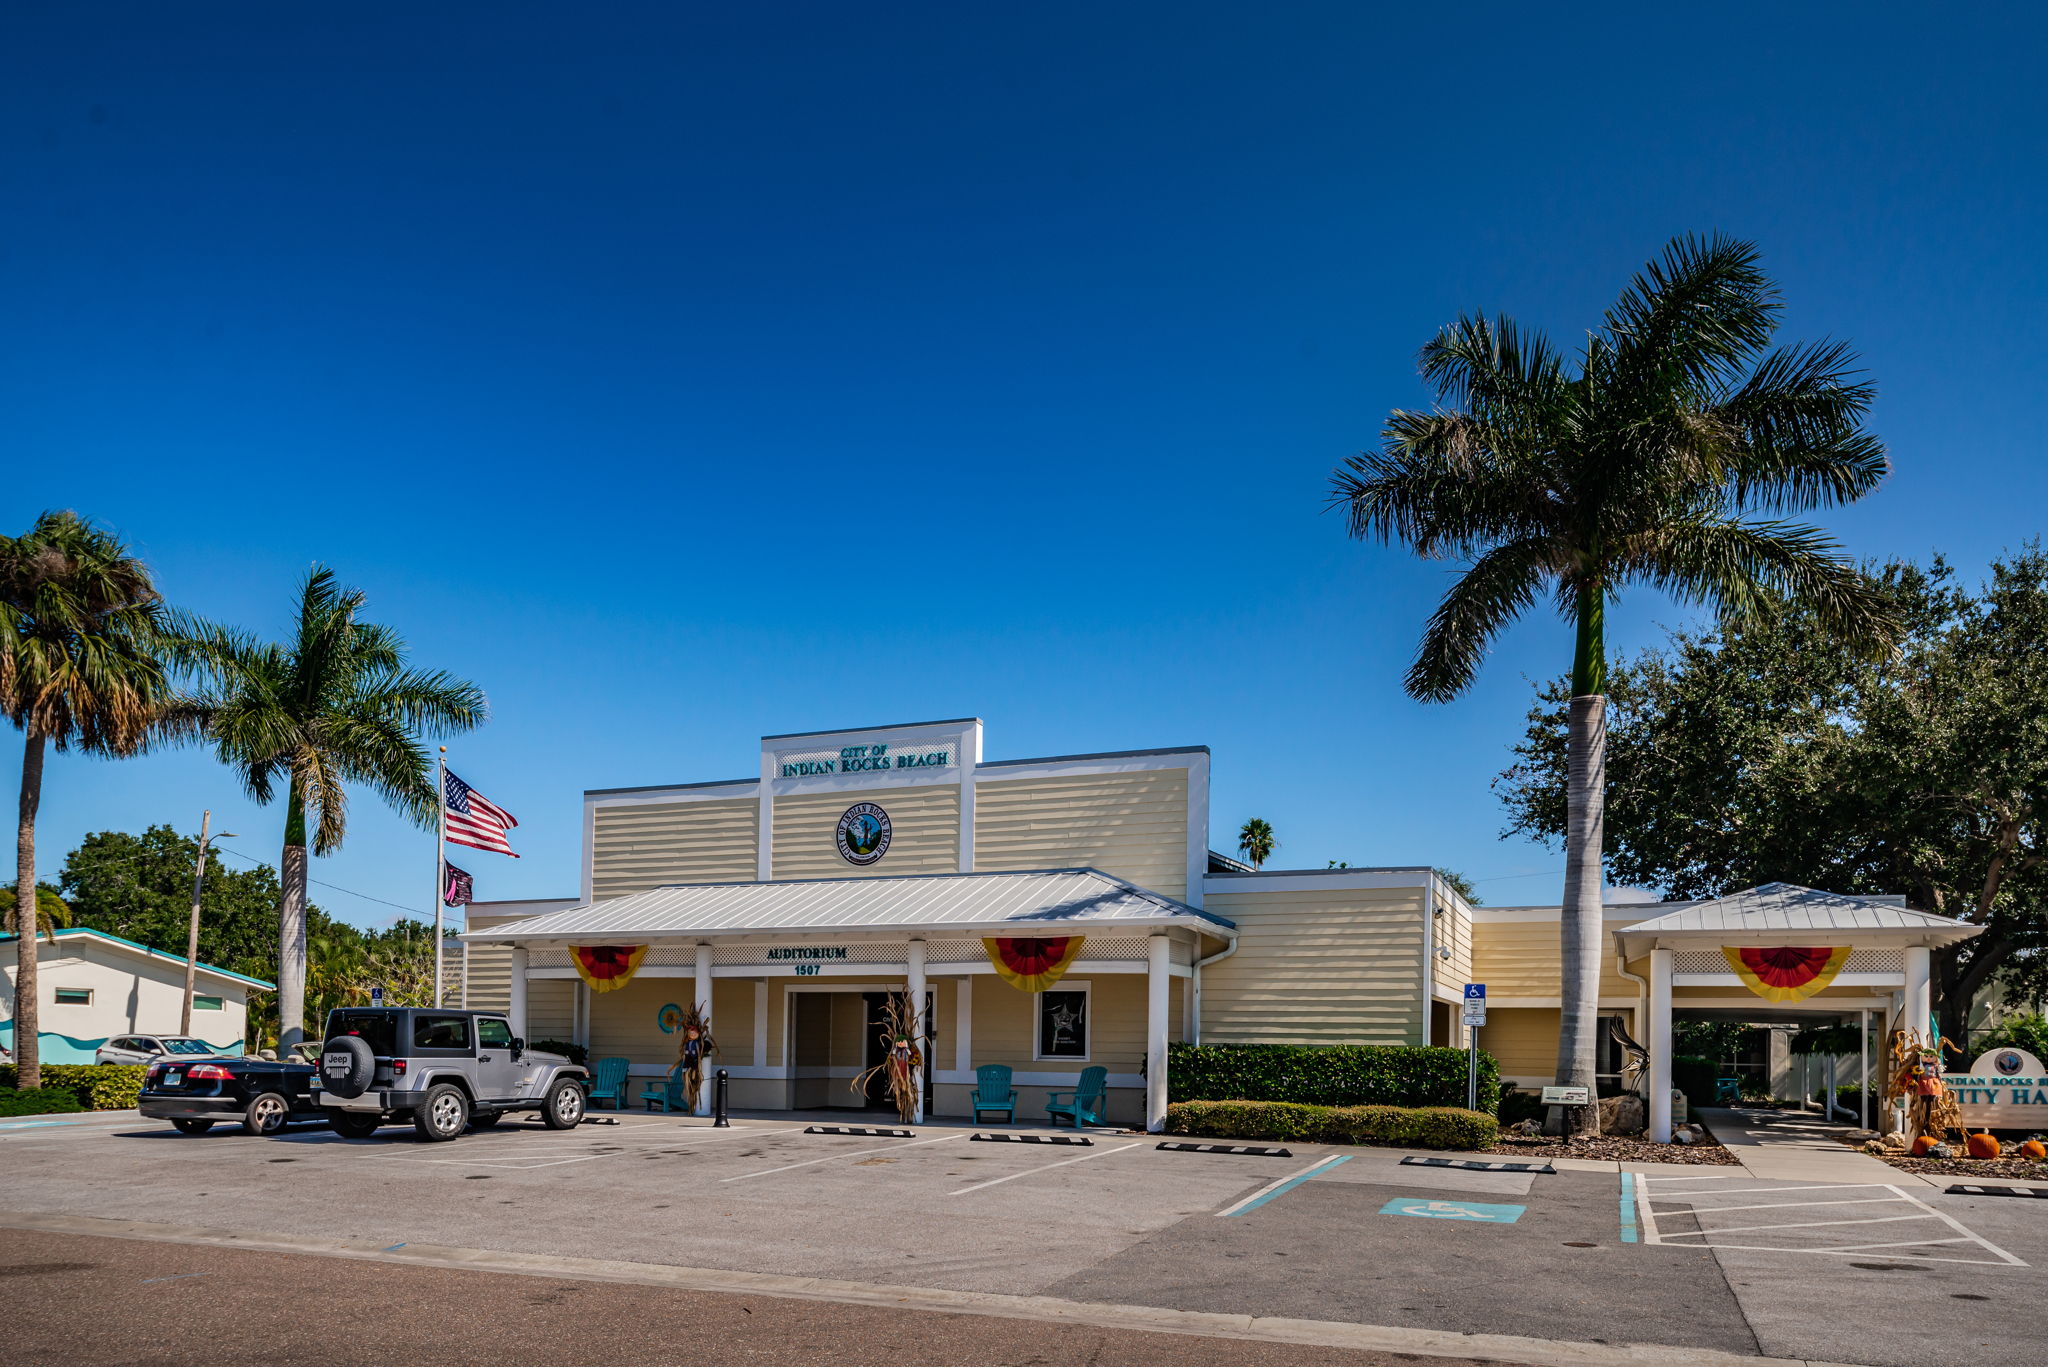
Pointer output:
x,y
1032,964
606,968
1786,973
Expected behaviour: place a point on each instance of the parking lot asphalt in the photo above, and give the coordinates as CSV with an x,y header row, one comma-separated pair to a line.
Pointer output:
x,y
1348,1236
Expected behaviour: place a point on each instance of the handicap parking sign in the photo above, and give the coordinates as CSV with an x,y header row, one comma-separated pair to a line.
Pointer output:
x,y
1476,1211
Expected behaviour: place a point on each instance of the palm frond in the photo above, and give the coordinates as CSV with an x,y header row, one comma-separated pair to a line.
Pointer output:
x,y
1498,587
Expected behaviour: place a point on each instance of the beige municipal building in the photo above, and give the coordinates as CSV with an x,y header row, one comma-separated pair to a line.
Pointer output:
x,y
855,864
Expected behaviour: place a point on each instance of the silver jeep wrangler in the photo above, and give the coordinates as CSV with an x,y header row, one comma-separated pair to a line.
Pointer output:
x,y
443,1070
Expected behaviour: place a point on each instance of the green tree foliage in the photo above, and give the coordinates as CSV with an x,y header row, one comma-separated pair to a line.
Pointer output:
x,y
139,887
1461,885
1761,753
52,912
2024,1030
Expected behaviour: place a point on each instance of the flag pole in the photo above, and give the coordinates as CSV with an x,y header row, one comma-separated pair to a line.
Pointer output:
x,y
440,859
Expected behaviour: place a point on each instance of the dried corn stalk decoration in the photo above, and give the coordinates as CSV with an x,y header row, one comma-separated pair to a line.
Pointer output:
x,y
690,1054
903,1059
1915,1080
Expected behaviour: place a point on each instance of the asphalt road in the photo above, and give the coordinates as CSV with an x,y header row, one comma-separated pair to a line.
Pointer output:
x,y
70,1299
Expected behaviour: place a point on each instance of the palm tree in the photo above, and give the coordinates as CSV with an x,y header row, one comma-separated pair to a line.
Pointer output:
x,y
1255,841
1639,467
334,705
52,911
82,635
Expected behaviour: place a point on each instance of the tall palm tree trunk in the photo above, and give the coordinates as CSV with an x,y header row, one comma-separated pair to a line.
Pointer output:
x,y
291,926
28,1061
1580,932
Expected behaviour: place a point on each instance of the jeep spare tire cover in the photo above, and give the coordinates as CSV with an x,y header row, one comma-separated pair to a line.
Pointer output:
x,y
347,1065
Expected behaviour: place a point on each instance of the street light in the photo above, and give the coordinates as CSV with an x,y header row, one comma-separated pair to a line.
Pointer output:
x,y
192,932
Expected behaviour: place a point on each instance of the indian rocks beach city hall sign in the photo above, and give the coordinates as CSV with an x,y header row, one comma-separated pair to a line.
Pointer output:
x,y
2005,1089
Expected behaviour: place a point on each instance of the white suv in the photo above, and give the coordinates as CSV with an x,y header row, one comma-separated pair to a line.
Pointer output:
x,y
154,1048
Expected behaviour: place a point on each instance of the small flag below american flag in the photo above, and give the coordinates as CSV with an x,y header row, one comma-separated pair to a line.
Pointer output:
x,y
459,887
474,820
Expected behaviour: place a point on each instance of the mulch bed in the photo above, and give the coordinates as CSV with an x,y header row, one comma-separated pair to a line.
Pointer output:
x,y
1973,1169
1613,1148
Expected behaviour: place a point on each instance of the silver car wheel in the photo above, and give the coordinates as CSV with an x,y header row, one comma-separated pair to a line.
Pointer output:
x,y
447,1113
570,1107
269,1113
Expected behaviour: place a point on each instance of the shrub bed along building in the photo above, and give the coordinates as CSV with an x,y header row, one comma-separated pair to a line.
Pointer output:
x,y
1328,1074
1422,1127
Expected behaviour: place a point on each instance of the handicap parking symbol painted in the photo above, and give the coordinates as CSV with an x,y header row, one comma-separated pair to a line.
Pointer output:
x,y
1475,1211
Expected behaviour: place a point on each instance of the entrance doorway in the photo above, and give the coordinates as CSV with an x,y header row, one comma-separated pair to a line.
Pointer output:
x,y
837,1036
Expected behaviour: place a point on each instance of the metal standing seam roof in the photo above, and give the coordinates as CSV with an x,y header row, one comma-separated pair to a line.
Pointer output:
x,y
1051,899
1787,908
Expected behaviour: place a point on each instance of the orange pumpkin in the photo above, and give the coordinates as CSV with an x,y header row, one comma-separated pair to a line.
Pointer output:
x,y
2034,1149
1984,1145
1923,1144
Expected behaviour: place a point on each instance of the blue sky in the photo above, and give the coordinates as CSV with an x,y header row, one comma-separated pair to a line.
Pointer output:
x,y
688,373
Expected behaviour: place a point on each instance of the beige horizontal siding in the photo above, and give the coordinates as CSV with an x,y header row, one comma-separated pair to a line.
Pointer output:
x,y
1343,966
1520,959
637,847
1522,1039
551,1009
1133,825
488,986
1454,932
924,824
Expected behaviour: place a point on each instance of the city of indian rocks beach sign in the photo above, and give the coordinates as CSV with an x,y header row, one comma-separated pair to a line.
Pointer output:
x,y
2005,1089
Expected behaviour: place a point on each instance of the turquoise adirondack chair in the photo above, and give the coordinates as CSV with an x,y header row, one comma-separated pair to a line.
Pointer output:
x,y
608,1083
1085,1103
667,1095
992,1092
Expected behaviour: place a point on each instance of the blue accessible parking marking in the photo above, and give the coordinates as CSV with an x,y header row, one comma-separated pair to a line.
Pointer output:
x,y
1476,1211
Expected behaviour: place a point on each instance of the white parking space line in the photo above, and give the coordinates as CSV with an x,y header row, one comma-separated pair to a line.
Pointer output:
x,y
849,1153
1710,1236
1048,1167
1278,1185
1646,1216
1957,1225
1803,1224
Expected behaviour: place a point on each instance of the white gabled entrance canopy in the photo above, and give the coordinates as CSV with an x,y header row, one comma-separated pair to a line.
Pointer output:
x,y
1890,948
901,925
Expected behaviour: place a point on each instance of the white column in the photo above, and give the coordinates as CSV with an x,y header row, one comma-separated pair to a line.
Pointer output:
x,y
700,987
918,1032
1158,962
1919,990
516,1008
582,1017
1660,1046
1863,1062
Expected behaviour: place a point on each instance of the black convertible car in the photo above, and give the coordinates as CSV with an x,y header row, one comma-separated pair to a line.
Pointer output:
x,y
259,1094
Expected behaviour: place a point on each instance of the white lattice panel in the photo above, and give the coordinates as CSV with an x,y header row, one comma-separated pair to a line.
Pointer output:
x,y
1859,961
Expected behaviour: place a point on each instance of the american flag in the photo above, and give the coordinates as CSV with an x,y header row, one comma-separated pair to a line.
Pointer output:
x,y
474,820
460,887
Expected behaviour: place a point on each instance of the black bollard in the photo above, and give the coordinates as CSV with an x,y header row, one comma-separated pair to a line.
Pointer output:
x,y
718,1120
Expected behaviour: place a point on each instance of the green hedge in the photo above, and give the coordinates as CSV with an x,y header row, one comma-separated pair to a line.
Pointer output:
x,y
42,1101
1327,1074
1421,1127
99,1086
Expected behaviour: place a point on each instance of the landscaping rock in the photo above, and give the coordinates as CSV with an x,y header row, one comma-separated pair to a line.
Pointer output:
x,y
1622,1114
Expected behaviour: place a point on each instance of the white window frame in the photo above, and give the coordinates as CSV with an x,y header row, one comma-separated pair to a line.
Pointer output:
x,y
58,1000
1087,989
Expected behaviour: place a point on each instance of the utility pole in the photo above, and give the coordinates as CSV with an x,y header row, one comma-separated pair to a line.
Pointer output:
x,y
192,932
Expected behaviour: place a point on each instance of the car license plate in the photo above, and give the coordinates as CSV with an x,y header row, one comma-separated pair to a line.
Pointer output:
x,y
174,1077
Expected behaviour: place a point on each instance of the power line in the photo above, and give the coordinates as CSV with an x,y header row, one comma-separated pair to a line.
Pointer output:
x,y
333,886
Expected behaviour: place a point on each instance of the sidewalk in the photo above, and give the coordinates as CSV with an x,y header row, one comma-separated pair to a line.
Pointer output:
x,y
1789,1146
